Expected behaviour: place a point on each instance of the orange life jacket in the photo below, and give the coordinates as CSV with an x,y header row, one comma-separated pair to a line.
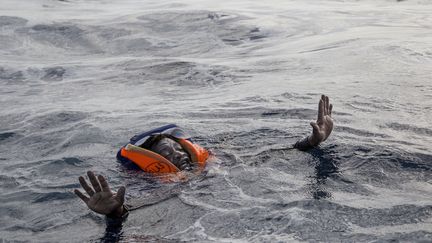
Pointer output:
x,y
152,162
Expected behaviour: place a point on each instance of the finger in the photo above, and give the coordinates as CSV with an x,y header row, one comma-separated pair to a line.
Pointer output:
x,y
85,186
321,109
324,104
330,109
94,181
327,105
314,127
104,184
80,195
121,194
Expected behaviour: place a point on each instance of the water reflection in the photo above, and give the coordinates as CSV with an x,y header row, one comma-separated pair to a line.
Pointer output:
x,y
326,167
112,234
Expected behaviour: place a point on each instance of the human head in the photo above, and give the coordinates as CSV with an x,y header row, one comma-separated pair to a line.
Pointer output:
x,y
172,151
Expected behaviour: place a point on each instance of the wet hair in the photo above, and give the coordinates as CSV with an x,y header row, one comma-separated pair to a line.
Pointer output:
x,y
154,139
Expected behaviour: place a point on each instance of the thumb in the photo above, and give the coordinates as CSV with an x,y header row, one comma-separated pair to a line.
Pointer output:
x,y
121,194
314,127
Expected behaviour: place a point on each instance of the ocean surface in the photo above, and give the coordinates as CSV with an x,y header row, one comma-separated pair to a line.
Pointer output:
x,y
78,78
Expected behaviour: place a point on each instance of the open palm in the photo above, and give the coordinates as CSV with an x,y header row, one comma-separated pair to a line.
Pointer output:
x,y
101,199
323,127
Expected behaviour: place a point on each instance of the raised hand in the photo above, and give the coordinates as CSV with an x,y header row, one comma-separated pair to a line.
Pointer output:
x,y
324,124
101,199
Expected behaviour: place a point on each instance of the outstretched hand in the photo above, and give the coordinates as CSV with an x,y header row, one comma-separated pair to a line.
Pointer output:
x,y
324,124
101,199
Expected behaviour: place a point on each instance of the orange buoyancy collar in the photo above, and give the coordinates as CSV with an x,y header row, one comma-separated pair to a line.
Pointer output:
x,y
152,162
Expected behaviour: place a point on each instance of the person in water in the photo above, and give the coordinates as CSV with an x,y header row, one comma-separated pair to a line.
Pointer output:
x,y
167,149
170,147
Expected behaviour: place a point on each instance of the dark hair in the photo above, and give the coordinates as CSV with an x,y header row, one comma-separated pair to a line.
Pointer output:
x,y
154,139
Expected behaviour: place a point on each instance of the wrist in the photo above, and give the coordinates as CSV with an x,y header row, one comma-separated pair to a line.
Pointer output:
x,y
117,213
312,141
117,220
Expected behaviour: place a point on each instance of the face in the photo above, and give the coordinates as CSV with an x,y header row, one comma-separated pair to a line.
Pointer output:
x,y
172,151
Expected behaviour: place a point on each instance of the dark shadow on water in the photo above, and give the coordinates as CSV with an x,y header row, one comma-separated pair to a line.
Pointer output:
x,y
112,234
6,135
116,235
326,167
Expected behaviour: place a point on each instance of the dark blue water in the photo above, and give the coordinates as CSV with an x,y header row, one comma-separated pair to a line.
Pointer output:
x,y
79,78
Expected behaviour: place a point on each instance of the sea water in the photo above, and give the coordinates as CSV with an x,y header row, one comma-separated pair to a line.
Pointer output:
x,y
78,78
